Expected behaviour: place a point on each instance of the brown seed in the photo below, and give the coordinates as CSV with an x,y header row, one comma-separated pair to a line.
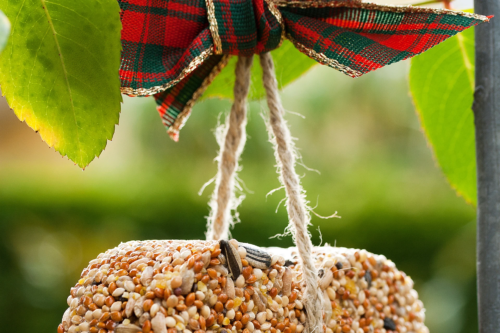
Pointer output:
x,y
112,287
287,330
238,325
210,320
147,305
243,308
205,279
229,304
198,304
146,327
102,330
293,327
247,271
214,262
93,330
256,324
246,329
150,295
60,328
159,292
220,318
280,326
273,292
181,307
203,323
274,321
104,317
116,316
198,266
216,253
293,297
109,301
190,299
238,315
223,298
218,307
245,318
176,282
212,273
346,328
251,279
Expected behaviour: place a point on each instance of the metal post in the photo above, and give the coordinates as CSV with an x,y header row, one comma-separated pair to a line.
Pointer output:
x,y
487,120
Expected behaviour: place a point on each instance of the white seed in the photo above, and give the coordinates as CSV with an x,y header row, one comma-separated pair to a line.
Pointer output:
x,y
179,319
88,316
250,306
129,285
326,280
129,307
230,314
250,326
170,321
158,323
118,292
200,296
284,301
240,281
192,311
300,328
84,327
269,314
261,317
229,289
185,254
76,319
97,314
242,252
147,276
265,326
205,311
258,273
74,303
116,306
154,309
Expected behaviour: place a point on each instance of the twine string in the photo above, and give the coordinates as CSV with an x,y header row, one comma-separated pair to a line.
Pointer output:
x,y
296,203
223,199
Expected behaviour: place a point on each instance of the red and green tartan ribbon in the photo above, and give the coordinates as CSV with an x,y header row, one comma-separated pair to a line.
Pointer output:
x,y
173,49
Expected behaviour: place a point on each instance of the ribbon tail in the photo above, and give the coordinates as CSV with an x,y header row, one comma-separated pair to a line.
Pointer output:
x,y
175,103
360,37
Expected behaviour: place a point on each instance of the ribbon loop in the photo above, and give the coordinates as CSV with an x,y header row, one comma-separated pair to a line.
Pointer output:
x,y
244,27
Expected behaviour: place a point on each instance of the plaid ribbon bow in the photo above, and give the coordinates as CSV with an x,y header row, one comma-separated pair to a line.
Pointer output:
x,y
173,49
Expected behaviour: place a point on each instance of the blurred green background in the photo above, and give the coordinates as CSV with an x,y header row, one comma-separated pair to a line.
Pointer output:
x,y
362,135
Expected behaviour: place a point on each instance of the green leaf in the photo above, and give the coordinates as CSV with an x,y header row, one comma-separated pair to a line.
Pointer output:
x,y
4,30
59,72
442,85
290,64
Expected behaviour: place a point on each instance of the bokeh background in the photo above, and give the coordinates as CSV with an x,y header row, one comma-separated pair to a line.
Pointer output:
x,y
361,135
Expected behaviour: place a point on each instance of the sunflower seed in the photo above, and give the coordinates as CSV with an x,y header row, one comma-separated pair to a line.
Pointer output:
x,y
257,257
232,258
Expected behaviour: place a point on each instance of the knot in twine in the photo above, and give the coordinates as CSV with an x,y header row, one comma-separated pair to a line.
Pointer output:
x,y
224,200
